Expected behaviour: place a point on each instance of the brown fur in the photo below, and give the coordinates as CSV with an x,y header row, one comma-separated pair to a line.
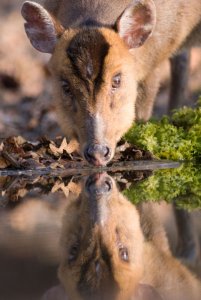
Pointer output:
x,y
160,29
108,107
100,222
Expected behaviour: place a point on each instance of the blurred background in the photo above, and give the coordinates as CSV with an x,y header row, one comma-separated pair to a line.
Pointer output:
x,y
29,229
25,93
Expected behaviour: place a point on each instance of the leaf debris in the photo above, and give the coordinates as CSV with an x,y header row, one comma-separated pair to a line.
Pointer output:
x,y
18,153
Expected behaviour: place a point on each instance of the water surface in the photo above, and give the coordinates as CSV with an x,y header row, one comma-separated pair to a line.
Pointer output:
x,y
48,223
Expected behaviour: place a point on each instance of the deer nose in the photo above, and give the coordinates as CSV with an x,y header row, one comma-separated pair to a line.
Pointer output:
x,y
97,154
98,185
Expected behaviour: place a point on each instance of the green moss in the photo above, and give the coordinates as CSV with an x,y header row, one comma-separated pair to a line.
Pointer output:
x,y
181,185
175,138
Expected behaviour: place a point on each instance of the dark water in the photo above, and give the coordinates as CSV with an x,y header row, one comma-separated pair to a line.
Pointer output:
x,y
101,233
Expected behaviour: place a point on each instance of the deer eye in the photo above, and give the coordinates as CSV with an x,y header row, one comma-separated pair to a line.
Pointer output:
x,y
66,87
73,253
123,253
116,81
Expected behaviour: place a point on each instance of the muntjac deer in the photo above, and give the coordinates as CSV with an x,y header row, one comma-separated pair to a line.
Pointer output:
x,y
104,61
114,250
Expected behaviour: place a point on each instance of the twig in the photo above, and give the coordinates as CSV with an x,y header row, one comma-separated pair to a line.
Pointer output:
x,y
11,159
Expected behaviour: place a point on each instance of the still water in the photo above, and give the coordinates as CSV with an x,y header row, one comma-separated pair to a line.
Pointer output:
x,y
104,235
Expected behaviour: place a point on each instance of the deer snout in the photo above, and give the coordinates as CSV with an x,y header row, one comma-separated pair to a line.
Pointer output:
x,y
98,185
98,155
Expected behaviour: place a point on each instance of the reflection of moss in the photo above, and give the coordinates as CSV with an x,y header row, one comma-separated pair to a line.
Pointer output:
x,y
182,185
178,138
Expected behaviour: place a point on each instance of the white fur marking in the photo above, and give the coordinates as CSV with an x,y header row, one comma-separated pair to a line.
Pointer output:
x,y
99,127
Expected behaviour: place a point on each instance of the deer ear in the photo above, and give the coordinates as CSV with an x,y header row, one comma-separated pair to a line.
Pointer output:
x,y
137,22
41,28
146,292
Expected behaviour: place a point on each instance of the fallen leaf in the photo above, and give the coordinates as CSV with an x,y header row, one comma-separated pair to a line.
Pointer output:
x,y
56,165
19,140
61,186
74,188
1,146
68,147
3,163
59,150
21,193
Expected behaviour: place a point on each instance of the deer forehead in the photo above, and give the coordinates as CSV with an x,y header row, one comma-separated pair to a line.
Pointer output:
x,y
91,54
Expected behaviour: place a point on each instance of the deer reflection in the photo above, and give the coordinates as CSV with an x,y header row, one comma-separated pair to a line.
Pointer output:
x,y
112,249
